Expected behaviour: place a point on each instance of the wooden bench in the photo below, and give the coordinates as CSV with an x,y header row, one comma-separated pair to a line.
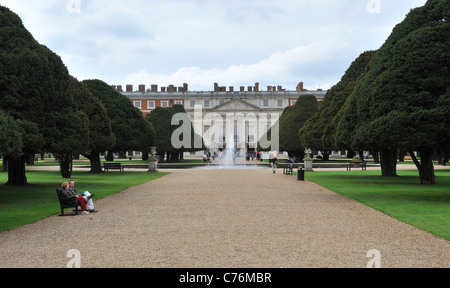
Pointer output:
x,y
108,166
361,165
65,203
289,170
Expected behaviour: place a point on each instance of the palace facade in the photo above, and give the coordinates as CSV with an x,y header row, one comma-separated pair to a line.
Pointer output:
x,y
255,108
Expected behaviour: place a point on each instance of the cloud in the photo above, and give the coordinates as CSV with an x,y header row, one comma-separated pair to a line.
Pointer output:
x,y
200,42
288,67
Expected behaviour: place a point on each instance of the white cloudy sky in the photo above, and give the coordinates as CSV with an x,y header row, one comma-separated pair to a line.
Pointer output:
x,y
200,42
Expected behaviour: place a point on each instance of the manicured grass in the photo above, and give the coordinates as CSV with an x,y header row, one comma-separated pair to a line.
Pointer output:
x,y
24,205
424,206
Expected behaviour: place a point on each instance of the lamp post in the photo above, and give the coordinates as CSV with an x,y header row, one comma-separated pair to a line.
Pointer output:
x,y
152,161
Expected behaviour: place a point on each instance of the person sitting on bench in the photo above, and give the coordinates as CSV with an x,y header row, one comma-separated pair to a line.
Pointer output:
x,y
86,195
66,193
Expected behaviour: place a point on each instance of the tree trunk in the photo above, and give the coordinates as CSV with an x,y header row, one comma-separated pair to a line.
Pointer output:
x,y
16,172
30,159
161,155
109,156
351,154
376,156
326,155
425,166
145,155
361,155
96,165
388,160
66,165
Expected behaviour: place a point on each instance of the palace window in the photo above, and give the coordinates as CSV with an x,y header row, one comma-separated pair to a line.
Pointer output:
x,y
280,103
266,103
164,104
150,104
137,104
178,102
192,103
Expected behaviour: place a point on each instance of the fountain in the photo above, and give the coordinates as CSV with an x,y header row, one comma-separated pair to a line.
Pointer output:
x,y
232,158
228,157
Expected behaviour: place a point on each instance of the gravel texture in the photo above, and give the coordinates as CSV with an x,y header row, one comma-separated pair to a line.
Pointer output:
x,y
224,219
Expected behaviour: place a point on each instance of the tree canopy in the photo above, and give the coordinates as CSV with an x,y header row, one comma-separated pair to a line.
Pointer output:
x,y
33,89
101,137
161,120
292,120
11,135
402,101
131,130
318,133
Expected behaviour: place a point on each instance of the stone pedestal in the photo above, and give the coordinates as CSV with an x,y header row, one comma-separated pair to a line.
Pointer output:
x,y
308,164
152,161
308,160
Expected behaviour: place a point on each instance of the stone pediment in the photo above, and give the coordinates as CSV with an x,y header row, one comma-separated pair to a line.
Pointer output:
x,y
236,105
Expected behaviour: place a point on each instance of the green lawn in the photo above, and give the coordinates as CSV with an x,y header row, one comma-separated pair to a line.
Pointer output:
x,y
24,205
424,206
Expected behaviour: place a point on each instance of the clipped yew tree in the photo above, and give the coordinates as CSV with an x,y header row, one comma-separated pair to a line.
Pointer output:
x,y
178,154
34,85
161,119
101,137
318,133
402,103
132,132
292,121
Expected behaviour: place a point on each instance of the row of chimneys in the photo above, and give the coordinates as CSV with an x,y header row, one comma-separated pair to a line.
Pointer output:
x,y
217,88
255,88
154,88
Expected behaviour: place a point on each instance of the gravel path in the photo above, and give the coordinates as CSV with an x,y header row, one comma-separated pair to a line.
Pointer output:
x,y
224,218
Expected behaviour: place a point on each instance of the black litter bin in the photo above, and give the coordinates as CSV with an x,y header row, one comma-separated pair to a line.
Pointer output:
x,y
300,174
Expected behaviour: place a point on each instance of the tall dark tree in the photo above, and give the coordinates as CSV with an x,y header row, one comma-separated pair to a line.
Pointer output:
x,y
268,135
34,85
291,123
101,137
319,131
131,130
73,139
178,155
161,119
401,103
